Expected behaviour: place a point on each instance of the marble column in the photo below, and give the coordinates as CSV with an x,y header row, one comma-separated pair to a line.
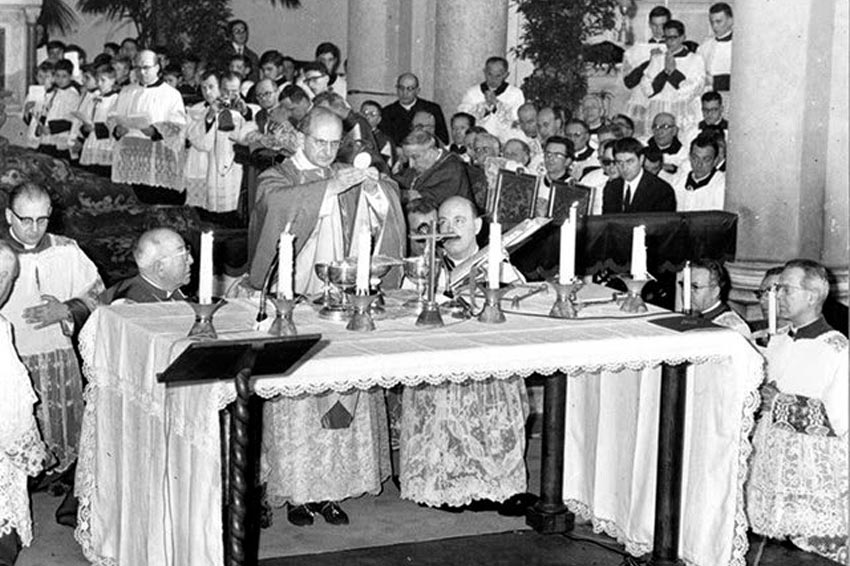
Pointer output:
x,y
786,134
31,63
376,49
467,33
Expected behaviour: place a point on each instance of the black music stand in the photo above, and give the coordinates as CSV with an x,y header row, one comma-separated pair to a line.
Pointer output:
x,y
239,360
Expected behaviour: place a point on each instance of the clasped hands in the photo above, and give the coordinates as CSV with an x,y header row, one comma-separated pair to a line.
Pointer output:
x,y
351,176
51,311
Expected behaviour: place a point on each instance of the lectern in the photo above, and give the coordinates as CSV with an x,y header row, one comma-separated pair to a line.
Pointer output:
x,y
240,360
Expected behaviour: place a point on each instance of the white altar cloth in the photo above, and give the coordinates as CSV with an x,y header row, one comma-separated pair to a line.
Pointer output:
x,y
148,476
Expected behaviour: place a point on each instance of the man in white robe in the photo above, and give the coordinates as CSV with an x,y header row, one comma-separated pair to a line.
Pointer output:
x,y
798,480
494,103
150,134
22,452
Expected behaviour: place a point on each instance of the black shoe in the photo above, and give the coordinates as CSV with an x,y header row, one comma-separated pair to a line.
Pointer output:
x,y
299,515
516,505
331,511
66,514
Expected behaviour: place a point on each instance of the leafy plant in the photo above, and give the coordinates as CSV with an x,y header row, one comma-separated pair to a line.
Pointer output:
x,y
57,16
552,39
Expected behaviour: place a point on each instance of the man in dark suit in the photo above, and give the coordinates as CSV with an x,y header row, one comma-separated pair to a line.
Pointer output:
x,y
636,190
237,31
396,118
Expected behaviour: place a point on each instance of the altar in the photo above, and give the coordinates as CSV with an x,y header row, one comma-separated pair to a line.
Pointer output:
x,y
149,478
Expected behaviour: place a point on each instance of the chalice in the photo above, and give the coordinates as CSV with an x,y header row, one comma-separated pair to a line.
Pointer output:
x,y
343,276
416,269
321,270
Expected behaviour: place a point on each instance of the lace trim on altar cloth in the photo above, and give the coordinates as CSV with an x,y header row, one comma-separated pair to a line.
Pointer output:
x,y
740,544
24,458
288,389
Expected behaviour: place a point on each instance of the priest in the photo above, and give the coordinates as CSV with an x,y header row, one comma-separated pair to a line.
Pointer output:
x,y
321,449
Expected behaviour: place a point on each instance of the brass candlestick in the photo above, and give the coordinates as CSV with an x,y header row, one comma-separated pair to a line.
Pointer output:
x,y
282,324
492,312
633,303
361,315
565,303
203,328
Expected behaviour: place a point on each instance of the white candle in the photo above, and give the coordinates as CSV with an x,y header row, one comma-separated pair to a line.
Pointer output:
x,y
364,257
494,256
639,271
205,275
567,260
686,287
771,310
286,250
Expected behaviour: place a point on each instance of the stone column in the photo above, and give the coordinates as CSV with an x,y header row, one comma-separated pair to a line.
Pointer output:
x,y
374,48
787,74
467,34
31,63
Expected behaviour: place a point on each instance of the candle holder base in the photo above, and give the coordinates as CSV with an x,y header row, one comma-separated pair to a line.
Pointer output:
x,y
565,303
633,303
361,316
690,318
203,328
282,324
492,312
429,316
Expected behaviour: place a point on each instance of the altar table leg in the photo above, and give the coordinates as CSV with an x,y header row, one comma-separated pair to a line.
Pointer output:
x,y
671,437
549,515
241,530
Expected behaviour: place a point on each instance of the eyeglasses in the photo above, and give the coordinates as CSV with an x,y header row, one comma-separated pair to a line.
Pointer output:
x,y
326,144
788,289
29,222
480,150
574,135
663,127
186,251
406,88
694,286
265,94
671,37
554,154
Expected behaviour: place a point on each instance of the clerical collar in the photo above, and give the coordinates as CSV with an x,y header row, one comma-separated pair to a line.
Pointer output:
x,y
459,149
22,248
672,149
452,263
156,83
167,295
299,159
724,39
110,93
716,310
721,166
810,331
691,184
498,92
548,180
407,106
66,87
586,154
683,52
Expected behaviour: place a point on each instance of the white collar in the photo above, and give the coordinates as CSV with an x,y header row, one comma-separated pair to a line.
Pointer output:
x,y
299,159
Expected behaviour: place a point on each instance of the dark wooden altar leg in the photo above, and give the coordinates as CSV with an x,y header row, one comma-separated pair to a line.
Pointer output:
x,y
549,515
242,545
671,437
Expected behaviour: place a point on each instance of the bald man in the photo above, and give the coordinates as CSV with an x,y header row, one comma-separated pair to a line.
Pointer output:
x,y
148,153
463,441
320,450
396,118
164,263
433,174
22,452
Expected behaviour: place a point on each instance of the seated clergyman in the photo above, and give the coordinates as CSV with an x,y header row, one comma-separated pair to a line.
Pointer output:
x,y
463,441
709,288
164,263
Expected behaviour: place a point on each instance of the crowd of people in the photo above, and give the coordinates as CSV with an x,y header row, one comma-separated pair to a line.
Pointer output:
x,y
274,141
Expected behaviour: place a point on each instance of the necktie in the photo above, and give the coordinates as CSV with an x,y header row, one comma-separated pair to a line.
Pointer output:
x,y
627,200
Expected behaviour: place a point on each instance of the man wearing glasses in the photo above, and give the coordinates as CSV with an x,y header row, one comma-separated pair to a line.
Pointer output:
x,y
584,158
165,265
710,287
320,450
55,292
148,153
799,480
396,118
665,139
673,81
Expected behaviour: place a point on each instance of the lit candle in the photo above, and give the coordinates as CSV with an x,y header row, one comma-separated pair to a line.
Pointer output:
x,y
205,275
567,263
686,287
494,256
639,271
364,247
286,250
771,310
